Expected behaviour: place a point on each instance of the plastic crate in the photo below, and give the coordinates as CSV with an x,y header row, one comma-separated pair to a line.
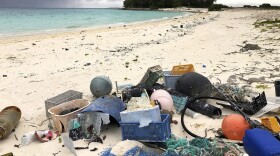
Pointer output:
x,y
170,80
179,102
271,123
151,77
61,98
155,132
61,122
182,69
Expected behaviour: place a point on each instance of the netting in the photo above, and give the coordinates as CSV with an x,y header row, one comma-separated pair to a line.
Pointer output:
x,y
234,92
200,147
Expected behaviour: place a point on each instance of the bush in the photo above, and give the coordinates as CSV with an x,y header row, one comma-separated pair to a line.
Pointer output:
x,y
249,6
217,7
265,5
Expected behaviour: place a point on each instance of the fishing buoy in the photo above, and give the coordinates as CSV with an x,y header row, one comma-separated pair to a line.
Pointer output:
x,y
9,118
194,84
100,86
234,126
164,98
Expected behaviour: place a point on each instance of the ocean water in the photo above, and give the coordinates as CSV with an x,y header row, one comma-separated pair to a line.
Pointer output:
x,y
28,21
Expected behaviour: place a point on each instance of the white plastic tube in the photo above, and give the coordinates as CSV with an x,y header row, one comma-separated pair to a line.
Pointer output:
x,y
192,114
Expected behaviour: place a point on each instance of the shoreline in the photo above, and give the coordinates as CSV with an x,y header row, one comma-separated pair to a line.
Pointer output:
x,y
69,30
65,32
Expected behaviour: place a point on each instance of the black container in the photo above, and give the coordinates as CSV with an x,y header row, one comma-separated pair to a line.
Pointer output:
x,y
277,88
204,108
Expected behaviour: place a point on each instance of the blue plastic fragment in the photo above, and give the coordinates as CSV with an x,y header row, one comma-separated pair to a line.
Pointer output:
x,y
259,142
109,104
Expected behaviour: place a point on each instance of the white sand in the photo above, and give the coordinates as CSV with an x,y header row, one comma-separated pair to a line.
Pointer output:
x,y
38,72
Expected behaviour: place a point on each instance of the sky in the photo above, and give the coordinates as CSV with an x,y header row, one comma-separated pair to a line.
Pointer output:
x,y
105,3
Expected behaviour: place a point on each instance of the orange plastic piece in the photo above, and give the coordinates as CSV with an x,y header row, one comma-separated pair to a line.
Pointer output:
x,y
234,126
271,123
182,69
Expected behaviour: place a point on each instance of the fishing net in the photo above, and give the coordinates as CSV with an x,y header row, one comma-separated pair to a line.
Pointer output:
x,y
200,147
234,92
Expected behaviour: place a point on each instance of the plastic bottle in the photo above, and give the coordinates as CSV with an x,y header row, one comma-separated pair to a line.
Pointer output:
x,y
9,117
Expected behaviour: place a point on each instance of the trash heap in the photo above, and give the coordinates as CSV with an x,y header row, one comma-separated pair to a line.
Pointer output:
x,y
144,113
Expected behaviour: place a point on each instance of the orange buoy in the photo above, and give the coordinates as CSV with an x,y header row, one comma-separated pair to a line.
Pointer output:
x,y
234,126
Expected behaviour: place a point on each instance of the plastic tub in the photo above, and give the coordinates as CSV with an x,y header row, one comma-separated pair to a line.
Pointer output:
x,y
61,121
170,80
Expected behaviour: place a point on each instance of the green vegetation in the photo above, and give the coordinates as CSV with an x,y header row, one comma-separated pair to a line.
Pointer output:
x,y
268,6
265,5
262,86
267,24
155,4
249,6
217,7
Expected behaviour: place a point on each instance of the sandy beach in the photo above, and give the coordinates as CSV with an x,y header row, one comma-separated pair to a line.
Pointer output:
x,y
37,67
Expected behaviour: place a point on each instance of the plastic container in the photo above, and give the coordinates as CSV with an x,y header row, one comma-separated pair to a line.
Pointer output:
x,y
64,97
155,132
151,77
61,122
170,80
182,69
259,142
9,118
144,117
277,88
271,123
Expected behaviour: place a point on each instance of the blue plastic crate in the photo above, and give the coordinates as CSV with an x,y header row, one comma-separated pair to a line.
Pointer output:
x,y
155,132
170,80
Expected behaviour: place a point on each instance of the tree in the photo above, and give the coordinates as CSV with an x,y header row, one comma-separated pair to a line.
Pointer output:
x,y
154,4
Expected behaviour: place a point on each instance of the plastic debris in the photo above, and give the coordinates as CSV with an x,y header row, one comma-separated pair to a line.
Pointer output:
x,y
76,131
42,136
273,103
8,154
68,143
205,109
259,142
144,117
92,121
200,147
9,118
129,148
100,86
277,88
109,104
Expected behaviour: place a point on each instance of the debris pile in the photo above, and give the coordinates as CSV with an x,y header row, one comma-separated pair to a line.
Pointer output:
x,y
145,111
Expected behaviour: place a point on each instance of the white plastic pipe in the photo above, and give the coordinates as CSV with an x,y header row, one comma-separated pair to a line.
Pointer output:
x,y
192,114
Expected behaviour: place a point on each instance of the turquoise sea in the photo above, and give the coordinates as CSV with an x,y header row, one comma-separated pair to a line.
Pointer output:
x,y
27,21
